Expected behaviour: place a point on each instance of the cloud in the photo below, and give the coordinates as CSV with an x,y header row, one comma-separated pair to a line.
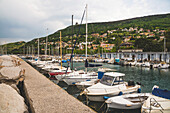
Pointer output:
x,y
27,19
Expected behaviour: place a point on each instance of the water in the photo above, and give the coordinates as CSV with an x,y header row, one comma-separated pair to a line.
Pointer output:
x,y
147,77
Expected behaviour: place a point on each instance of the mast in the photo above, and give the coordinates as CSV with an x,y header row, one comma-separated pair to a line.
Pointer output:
x,y
60,49
102,48
32,52
164,48
46,45
38,48
72,44
86,35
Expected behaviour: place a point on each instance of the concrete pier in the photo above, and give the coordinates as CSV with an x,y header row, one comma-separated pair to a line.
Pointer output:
x,y
44,96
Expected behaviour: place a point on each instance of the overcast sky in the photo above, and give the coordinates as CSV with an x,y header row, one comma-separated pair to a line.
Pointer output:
x,y
24,20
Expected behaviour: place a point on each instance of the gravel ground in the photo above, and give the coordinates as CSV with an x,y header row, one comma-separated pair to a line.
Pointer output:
x,y
48,97
11,101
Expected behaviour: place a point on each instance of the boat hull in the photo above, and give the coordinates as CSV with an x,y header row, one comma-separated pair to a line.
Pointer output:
x,y
72,81
100,98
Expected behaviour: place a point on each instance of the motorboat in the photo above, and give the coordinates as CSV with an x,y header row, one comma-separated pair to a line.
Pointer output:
x,y
85,84
111,61
72,78
128,101
157,102
101,71
132,63
145,64
163,65
62,75
111,84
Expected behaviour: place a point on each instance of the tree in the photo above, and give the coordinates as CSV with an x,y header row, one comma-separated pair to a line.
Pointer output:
x,y
117,42
167,36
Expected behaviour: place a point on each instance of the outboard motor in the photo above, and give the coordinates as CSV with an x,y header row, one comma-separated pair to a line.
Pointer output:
x,y
138,83
131,83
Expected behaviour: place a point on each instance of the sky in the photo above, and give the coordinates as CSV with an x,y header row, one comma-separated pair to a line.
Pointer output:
x,y
24,20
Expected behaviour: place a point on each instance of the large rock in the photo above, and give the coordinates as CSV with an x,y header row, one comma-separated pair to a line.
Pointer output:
x,y
11,101
6,61
10,72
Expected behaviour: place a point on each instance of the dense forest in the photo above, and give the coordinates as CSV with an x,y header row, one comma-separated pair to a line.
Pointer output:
x,y
151,23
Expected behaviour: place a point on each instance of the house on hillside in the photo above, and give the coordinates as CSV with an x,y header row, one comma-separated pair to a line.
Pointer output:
x,y
126,44
95,35
107,46
95,46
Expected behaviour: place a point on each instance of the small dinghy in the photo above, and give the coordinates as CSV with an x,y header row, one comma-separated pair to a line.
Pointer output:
x,y
128,101
157,102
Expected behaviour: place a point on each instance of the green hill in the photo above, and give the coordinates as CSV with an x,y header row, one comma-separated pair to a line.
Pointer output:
x,y
161,22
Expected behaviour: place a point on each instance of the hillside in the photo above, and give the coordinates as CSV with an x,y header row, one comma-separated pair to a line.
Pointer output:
x,y
111,32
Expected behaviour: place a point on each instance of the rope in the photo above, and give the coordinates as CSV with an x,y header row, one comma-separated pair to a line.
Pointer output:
x,y
76,40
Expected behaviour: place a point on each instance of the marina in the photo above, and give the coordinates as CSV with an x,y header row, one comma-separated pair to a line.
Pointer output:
x,y
147,77
120,66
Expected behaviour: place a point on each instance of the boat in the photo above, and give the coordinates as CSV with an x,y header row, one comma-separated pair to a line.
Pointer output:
x,y
157,102
85,84
111,84
163,65
111,61
128,101
101,71
72,78
63,74
99,60
145,64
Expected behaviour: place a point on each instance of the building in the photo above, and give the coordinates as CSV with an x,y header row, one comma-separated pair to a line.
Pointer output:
x,y
138,55
107,46
126,44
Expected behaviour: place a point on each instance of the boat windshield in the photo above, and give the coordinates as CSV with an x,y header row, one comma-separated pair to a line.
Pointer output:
x,y
55,69
108,80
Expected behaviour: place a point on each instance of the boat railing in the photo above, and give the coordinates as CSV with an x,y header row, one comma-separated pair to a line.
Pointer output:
x,y
155,103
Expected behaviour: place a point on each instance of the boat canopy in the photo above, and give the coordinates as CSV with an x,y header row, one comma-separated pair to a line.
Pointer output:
x,y
161,93
114,74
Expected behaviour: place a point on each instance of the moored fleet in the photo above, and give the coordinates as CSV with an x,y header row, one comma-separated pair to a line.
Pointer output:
x,y
107,85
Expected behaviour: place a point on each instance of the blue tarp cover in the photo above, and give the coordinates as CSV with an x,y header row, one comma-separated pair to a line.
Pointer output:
x,y
161,93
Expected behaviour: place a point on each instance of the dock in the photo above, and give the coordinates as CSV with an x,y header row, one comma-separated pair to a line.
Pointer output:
x,y
43,96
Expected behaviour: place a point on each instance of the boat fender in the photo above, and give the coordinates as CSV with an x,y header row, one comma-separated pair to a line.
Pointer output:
x,y
128,105
105,97
138,83
120,93
139,90
73,83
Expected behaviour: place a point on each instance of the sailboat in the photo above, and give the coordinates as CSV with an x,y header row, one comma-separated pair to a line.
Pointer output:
x,y
59,70
74,77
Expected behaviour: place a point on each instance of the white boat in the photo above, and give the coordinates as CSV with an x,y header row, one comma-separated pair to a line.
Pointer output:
x,y
163,65
145,64
72,78
138,64
50,67
99,60
110,85
132,63
157,102
111,61
84,85
60,76
128,101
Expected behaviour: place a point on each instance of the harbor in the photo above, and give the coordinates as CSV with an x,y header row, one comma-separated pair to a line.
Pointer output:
x,y
51,63
147,77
